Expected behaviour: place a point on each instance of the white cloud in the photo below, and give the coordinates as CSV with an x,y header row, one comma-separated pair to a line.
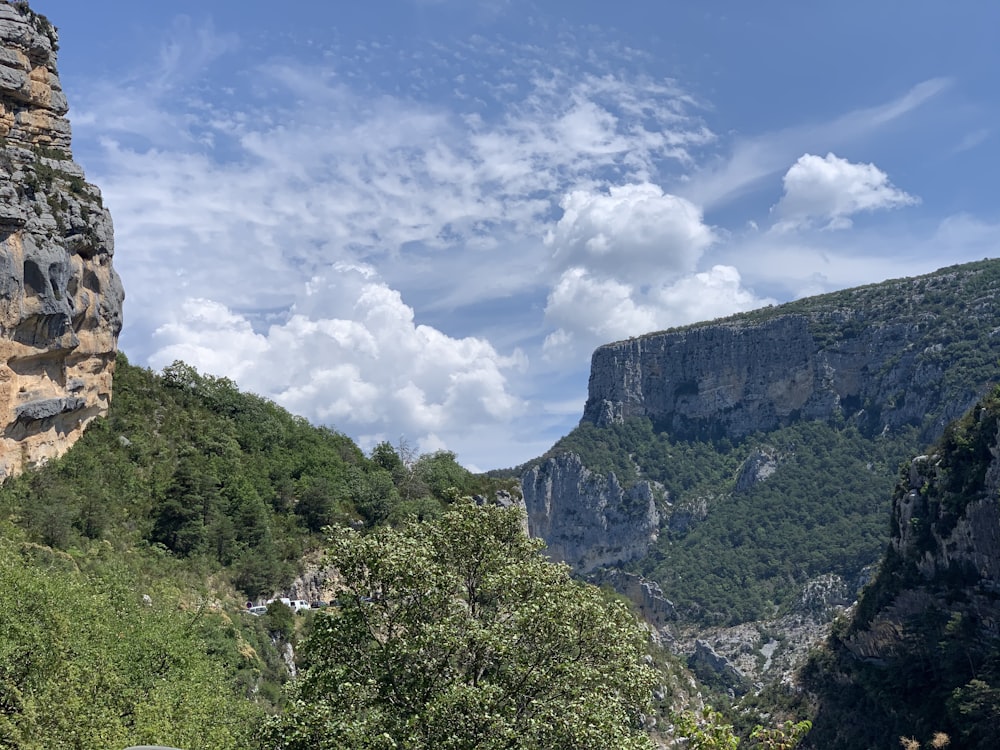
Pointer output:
x,y
350,354
589,311
829,190
298,225
633,232
231,206
707,295
756,157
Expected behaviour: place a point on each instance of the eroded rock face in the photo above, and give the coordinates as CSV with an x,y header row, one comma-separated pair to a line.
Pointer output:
x,y
589,520
60,298
882,356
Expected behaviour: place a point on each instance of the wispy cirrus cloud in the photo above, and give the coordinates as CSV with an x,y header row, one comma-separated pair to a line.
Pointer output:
x,y
260,245
753,158
422,236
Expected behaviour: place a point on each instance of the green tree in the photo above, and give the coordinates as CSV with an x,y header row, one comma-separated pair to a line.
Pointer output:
x,y
705,731
457,633
85,664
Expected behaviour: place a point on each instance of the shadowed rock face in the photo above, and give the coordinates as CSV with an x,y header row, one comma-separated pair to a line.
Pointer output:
x,y
60,298
589,520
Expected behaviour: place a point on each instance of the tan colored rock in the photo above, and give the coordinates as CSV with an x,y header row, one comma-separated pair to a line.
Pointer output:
x,y
60,298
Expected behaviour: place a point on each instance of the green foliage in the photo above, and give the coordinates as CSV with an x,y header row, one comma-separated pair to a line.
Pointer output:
x,y
786,736
823,510
219,477
456,633
83,663
933,628
709,730
705,731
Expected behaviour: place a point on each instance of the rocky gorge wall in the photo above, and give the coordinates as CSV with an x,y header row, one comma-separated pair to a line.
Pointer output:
x,y
60,298
586,519
879,354
910,352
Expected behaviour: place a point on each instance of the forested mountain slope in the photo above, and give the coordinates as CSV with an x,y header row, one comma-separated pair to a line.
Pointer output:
x,y
125,564
921,654
187,463
745,464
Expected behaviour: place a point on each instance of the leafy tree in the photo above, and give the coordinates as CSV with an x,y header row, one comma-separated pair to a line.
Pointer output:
x,y
706,731
457,633
783,737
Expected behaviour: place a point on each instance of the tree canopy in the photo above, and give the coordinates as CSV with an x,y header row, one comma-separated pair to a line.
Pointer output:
x,y
456,632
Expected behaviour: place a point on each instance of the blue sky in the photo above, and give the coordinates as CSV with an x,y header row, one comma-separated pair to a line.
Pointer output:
x,y
416,219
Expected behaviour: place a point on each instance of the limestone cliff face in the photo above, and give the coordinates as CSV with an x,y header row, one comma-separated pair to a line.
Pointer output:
x,y
881,355
60,298
586,519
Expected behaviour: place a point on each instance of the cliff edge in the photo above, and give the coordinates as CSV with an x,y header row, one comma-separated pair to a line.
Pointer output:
x,y
903,352
60,298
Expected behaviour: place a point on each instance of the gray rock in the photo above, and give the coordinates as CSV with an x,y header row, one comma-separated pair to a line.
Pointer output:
x,y
60,297
647,595
875,355
49,407
586,519
715,669
759,465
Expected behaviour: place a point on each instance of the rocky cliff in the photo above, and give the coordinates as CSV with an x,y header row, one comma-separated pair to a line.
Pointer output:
x,y
922,653
587,519
60,298
884,355
897,359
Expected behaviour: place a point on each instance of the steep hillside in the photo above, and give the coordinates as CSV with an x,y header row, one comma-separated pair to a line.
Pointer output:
x,y
745,465
224,480
125,564
922,653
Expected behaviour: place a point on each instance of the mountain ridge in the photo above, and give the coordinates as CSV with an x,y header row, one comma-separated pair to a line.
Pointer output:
x,y
781,512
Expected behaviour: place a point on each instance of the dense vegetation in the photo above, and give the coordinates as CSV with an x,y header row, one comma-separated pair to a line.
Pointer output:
x,y
188,464
197,496
85,662
934,664
729,554
457,633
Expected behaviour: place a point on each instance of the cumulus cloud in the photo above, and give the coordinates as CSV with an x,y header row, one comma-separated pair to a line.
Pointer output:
x,y
350,354
381,234
589,311
232,205
828,190
634,232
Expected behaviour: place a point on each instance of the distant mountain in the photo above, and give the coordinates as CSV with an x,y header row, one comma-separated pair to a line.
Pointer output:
x,y
921,654
744,465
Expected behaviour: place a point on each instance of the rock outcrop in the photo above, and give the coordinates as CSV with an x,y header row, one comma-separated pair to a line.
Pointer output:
x,y
60,298
921,654
881,355
944,552
589,520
